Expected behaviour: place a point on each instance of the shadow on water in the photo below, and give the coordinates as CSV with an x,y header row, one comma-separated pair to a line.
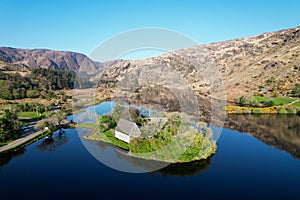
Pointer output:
x,y
279,131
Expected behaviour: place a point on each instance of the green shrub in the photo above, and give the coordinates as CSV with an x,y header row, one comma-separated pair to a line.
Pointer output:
x,y
33,93
296,91
282,111
291,110
246,110
268,103
256,111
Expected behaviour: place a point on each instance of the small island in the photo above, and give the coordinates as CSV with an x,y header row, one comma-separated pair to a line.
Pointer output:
x,y
166,137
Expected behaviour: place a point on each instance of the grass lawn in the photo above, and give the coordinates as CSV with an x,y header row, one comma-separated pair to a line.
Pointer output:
x,y
116,141
278,101
32,115
101,133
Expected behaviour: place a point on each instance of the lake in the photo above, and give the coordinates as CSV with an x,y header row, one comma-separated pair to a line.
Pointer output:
x,y
263,164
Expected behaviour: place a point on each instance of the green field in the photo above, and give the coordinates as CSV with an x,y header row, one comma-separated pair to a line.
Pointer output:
x,y
32,115
277,101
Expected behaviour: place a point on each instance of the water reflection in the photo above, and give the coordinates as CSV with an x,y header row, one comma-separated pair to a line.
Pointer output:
x,y
180,169
279,131
53,142
185,169
5,158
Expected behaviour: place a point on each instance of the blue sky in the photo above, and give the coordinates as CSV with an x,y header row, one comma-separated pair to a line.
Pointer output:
x,y
80,25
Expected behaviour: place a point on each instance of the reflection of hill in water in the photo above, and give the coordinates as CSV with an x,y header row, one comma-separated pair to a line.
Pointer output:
x,y
279,131
168,99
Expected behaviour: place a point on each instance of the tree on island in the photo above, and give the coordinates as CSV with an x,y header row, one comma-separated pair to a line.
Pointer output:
x,y
116,113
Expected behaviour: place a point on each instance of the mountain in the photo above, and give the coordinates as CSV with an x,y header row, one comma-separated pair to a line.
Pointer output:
x,y
48,59
267,64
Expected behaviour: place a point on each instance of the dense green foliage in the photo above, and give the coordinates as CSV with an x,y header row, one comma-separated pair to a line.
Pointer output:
x,y
9,126
30,107
173,140
53,79
38,83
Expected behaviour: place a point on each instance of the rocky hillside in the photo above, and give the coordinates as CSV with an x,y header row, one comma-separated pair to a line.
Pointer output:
x,y
267,64
48,59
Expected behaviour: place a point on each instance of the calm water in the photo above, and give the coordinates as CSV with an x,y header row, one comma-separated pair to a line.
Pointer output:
x,y
244,167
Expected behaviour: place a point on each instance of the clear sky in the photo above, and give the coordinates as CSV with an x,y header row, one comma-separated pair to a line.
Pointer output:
x,y
80,25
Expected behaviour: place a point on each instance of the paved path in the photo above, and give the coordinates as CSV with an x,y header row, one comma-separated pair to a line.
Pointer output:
x,y
20,141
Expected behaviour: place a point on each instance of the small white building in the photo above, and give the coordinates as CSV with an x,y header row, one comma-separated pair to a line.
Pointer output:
x,y
126,130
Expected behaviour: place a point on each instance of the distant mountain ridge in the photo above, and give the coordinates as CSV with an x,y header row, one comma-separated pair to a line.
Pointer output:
x,y
48,59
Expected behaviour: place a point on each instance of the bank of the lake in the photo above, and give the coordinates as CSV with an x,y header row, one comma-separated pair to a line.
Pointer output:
x,y
23,141
30,138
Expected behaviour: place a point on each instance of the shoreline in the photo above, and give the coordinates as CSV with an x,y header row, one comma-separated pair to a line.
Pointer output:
x,y
274,110
23,141
27,140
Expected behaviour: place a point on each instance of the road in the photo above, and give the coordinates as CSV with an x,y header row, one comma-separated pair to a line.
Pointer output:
x,y
20,141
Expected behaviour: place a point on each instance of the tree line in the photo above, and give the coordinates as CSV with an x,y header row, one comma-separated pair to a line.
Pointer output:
x,y
9,126
38,83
